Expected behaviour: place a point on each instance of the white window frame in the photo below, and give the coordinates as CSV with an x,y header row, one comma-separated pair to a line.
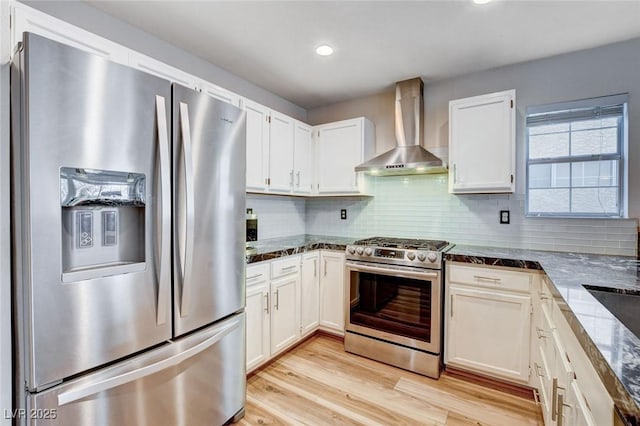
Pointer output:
x,y
545,112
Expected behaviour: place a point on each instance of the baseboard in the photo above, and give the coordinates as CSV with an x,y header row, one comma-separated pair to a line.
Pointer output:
x,y
521,391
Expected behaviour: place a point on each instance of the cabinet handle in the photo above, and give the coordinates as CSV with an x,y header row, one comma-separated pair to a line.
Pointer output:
x,y
561,405
291,178
451,310
315,268
267,307
276,305
540,333
325,267
543,296
254,276
481,278
537,367
455,173
555,400
298,178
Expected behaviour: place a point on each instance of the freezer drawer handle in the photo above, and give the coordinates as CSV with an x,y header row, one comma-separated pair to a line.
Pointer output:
x,y
190,209
110,383
165,188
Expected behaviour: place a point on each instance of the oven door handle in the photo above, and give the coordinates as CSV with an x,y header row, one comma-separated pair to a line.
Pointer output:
x,y
397,272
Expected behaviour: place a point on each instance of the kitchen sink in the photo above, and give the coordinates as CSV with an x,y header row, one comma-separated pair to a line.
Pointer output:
x,y
623,305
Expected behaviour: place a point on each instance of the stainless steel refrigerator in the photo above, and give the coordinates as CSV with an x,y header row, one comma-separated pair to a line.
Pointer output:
x,y
128,232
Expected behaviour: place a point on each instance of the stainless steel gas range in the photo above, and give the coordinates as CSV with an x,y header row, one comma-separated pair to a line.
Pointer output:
x,y
394,306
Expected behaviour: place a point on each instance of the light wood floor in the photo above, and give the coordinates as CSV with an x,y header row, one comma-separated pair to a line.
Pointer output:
x,y
318,383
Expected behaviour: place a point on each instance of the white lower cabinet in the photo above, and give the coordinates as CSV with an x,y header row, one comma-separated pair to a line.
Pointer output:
x,y
285,302
488,332
309,293
569,388
258,315
332,292
488,321
284,312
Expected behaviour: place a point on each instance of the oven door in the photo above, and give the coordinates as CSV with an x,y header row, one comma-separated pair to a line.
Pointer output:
x,y
398,304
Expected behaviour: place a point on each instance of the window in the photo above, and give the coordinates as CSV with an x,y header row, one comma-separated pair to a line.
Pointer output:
x,y
576,158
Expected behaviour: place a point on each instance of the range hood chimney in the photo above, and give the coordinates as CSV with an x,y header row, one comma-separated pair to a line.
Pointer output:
x,y
408,157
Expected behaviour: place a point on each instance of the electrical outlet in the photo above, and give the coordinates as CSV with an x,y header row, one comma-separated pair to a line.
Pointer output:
x,y
343,214
504,216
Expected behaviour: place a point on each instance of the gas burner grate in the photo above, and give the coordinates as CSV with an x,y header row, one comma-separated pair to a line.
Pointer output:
x,y
403,243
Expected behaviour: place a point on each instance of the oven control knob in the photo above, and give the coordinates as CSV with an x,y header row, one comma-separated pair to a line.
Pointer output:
x,y
359,250
411,255
368,252
421,257
432,257
352,250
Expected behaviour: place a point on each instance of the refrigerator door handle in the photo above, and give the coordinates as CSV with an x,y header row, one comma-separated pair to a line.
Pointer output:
x,y
190,209
89,389
165,230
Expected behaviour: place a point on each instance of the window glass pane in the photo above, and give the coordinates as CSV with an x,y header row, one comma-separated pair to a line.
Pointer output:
x,y
539,175
598,141
549,200
595,200
560,175
549,128
595,123
594,173
549,145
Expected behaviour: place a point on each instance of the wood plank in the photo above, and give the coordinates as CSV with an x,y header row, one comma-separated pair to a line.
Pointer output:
x,y
479,410
318,383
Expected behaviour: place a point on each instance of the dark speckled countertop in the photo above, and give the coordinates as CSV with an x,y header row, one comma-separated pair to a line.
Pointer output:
x,y
612,348
273,248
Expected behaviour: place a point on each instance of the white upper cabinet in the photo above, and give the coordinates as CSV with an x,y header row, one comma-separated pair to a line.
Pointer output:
x,y
302,158
340,147
281,132
26,19
482,143
221,94
162,70
257,145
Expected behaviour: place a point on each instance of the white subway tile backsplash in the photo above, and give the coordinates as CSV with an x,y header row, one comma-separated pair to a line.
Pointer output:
x,y
421,207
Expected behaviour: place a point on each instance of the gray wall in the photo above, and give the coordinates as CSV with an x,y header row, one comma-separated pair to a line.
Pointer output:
x,y
595,72
91,19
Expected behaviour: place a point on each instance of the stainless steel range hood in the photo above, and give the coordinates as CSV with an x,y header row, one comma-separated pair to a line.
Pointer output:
x,y
408,157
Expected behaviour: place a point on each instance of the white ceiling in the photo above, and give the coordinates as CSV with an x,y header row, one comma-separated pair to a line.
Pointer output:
x,y
271,43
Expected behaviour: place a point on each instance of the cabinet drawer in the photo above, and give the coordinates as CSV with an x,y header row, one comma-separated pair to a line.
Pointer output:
x,y
257,274
490,278
286,266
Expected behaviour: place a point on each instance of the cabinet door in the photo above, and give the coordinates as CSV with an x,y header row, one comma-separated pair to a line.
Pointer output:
x,y
285,329
302,159
332,291
339,151
482,143
258,325
162,70
488,332
221,94
257,145
28,19
280,153
309,293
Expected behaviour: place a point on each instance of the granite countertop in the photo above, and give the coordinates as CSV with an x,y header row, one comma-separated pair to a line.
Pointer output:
x,y
612,348
273,248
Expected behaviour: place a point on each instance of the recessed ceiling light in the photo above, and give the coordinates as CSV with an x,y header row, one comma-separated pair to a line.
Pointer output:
x,y
324,50
481,1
